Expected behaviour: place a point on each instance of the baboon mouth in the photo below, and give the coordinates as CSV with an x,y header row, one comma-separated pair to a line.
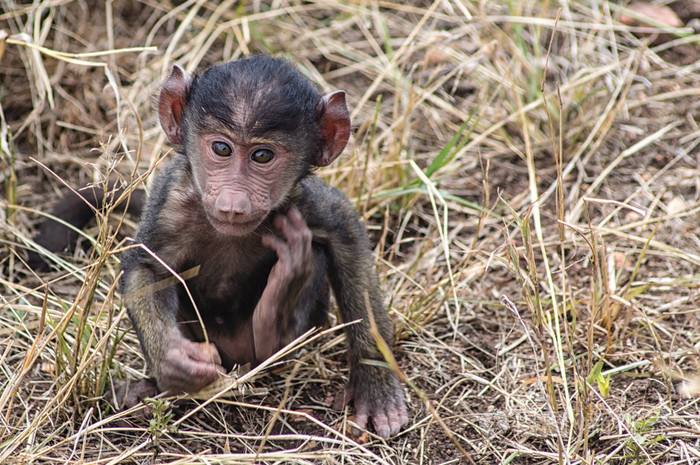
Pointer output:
x,y
234,227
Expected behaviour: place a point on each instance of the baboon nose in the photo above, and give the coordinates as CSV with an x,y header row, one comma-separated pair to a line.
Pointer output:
x,y
228,205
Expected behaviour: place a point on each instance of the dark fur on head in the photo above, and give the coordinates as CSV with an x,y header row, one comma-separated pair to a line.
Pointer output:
x,y
254,97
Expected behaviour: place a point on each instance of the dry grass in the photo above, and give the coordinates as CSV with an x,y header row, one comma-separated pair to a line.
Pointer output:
x,y
528,171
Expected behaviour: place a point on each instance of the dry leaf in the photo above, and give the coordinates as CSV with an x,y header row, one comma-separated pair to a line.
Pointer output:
x,y
676,205
301,418
690,387
436,55
631,216
48,368
620,260
657,14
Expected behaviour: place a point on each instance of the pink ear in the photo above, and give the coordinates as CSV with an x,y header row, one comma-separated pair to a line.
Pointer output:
x,y
334,119
171,103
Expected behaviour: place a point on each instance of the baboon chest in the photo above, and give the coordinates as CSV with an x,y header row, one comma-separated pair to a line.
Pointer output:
x,y
227,286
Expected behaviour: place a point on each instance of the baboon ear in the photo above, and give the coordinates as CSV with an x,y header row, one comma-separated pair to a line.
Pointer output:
x,y
334,119
171,103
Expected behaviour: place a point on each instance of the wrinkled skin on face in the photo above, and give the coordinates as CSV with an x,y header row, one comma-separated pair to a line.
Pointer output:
x,y
237,192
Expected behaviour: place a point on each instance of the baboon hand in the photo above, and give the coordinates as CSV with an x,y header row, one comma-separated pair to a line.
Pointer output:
x,y
187,366
294,254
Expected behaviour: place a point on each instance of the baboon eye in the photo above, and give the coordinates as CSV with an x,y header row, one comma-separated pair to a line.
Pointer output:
x,y
222,149
262,156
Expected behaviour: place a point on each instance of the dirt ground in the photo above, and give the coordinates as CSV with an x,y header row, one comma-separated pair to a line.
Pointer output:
x,y
528,172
